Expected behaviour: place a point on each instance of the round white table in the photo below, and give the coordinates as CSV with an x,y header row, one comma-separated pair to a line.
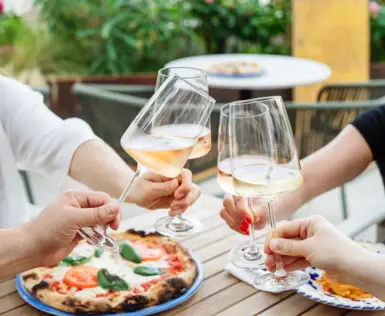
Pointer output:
x,y
279,72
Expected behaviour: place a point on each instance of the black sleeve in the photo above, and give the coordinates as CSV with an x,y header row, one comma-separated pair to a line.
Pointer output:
x,y
371,125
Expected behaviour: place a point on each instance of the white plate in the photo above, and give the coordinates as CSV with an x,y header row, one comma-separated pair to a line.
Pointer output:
x,y
314,291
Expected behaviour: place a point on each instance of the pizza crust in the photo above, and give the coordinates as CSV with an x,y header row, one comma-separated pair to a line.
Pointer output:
x,y
164,291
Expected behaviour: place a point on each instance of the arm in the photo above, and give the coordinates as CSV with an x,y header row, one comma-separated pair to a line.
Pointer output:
x,y
14,255
45,143
340,161
98,166
371,280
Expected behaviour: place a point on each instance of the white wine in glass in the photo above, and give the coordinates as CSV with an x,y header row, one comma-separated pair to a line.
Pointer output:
x,y
164,133
183,225
251,180
246,256
278,173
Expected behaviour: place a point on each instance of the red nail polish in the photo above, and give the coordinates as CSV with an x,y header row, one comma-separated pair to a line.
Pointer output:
x,y
248,219
244,227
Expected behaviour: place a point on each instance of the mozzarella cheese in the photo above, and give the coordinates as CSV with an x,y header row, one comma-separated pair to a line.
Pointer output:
x,y
83,250
111,261
58,273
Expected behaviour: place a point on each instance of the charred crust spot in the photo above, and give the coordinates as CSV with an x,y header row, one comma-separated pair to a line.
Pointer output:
x,y
77,306
40,286
142,233
32,276
135,303
175,287
178,284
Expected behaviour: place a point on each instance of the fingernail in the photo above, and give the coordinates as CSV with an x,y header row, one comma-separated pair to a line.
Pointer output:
x,y
244,227
275,244
248,219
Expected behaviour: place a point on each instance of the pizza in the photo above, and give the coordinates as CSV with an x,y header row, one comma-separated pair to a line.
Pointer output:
x,y
151,269
235,68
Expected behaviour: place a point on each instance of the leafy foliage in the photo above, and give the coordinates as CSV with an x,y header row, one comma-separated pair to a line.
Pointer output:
x,y
244,25
123,36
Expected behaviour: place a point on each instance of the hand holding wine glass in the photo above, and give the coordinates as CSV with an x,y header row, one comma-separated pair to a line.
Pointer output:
x,y
260,128
163,135
182,225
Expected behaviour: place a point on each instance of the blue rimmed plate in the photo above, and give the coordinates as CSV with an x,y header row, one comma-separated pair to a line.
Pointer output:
x,y
314,291
147,311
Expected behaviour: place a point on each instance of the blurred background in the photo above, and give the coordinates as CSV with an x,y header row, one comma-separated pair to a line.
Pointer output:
x,y
98,59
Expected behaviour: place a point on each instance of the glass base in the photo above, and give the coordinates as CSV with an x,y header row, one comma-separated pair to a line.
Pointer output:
x,y
242,257
271,283
98,237
177,227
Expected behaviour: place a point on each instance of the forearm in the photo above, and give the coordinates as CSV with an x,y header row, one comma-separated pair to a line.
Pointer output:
x,y
366,272
333,165
15,253
96,165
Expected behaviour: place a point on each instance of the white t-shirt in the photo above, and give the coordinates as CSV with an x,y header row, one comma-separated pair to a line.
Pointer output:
x,y
31,138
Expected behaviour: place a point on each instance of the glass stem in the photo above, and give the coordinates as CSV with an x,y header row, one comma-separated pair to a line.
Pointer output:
x,y
127,190
279,270
252,253
253,247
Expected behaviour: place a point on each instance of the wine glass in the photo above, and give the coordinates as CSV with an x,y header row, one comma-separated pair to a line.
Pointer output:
x,y
162,136
248,255
182,225
278,170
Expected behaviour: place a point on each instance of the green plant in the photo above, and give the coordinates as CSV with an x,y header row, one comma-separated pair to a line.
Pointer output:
x,y
29,52
377,31
123,36
244,25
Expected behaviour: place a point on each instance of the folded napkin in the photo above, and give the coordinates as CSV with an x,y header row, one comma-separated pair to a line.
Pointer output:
x,y
246,276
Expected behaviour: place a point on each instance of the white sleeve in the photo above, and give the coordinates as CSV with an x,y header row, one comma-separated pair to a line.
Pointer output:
x,y
40,140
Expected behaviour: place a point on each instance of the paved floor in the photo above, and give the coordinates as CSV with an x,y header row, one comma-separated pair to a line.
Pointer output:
x,y
363,195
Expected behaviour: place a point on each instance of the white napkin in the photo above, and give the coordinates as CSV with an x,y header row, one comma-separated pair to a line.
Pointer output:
x,y
246,276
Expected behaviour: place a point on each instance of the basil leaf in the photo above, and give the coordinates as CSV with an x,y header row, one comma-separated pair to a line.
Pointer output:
x,y
98,252
128,252
111,282
75,261
147,271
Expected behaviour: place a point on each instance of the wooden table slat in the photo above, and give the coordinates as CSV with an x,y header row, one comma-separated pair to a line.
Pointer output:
x,y
23,310
211,286
220,301
255,304
10,302
327,310
292,306
7,287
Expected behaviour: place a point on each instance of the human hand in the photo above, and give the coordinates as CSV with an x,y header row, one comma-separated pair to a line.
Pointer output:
x,y
236,213
54,233
153,191
312,241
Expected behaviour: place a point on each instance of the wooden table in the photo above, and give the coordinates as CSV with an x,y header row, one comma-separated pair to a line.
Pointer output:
x,y
220,294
